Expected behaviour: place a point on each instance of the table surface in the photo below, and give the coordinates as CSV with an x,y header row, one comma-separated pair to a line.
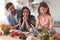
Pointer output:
x,y
8,37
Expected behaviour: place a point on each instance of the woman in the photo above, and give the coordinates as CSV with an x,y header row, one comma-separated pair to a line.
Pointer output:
x,y
27,19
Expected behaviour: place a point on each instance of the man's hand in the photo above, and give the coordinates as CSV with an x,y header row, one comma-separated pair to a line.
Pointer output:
x,y
13,27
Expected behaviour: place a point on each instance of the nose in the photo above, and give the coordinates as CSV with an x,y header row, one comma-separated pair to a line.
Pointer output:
x,y
12,9
42,11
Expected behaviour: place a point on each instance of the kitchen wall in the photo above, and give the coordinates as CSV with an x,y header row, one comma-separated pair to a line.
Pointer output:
x,y
54,6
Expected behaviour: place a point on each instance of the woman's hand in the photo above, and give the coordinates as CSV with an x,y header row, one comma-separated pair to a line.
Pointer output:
x,y
25,19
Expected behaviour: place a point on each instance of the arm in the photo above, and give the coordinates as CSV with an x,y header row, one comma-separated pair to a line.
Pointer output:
x,y
37,23
51,23
32,21
16,26
22,25
45,23
12,22
27,25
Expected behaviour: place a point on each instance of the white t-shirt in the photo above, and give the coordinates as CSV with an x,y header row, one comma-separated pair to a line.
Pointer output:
x,y
15,16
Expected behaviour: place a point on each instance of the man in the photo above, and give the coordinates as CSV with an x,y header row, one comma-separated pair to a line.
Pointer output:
x,y
14,16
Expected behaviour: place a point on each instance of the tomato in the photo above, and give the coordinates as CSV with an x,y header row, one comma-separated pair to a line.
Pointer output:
x,y
16,34
12,34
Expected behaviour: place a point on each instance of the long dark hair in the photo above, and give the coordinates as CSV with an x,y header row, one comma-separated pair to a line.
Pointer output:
x,y
27,9
22,13
43,4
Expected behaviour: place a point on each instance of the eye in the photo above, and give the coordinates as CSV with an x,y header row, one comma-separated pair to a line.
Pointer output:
x,y
10,9
27,12
23,12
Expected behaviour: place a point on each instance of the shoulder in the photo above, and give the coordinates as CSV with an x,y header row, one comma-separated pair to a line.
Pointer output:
x,y
32,17
9,15
50,17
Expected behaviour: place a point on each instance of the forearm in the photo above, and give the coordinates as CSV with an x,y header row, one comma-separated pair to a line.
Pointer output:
x,y
22,26
27,25
37,24
18,24
43,25
14,27
51,26
51,23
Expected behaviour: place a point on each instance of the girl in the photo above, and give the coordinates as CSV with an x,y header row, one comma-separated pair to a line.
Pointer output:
x,y
44,20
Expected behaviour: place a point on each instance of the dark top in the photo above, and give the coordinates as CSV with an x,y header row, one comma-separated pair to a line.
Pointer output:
x,y
31,17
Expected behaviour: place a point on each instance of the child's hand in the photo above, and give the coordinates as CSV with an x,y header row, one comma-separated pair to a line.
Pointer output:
x,y
51,28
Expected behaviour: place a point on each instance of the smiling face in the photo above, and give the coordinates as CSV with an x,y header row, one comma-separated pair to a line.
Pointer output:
x,y
11,9
43,10
25,13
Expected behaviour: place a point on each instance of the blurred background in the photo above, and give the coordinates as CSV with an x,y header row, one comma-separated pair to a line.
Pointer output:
x,y
54,6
